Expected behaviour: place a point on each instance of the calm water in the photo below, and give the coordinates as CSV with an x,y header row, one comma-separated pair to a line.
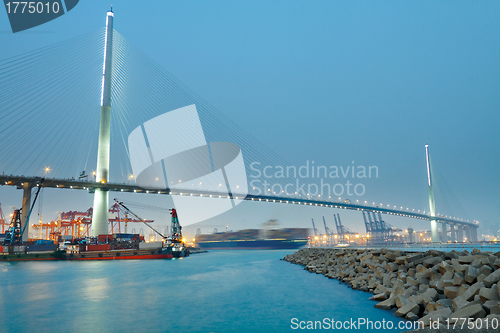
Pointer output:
x,y
220,291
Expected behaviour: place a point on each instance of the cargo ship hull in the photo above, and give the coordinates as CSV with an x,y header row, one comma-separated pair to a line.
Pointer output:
x,y
264,244
40,256
89,255
255,239
119,255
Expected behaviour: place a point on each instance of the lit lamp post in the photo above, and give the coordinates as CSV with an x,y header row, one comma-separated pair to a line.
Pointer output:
x,y
47,169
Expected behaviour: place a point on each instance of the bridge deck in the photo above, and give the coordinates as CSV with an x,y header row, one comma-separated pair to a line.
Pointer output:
x,y
18,181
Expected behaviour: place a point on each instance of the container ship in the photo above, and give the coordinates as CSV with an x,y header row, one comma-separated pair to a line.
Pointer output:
x,y
103,247
253,239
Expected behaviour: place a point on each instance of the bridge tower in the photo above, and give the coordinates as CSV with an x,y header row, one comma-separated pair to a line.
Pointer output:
x,y
432,204
100,214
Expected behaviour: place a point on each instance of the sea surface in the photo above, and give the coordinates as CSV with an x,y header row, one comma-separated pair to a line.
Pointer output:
x,y
219,291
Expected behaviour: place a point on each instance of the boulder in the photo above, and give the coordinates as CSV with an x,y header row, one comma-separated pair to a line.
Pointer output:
x,y
431,306
451,292
438,315
413,257
445,267
408,307
492,307
480,278
486,270
466,259
471,274
477,263
458,303
411,316
468,311
429,262
387,304
489,294
458,279
400,301
379,297
472,291
400,260
494,277
447,303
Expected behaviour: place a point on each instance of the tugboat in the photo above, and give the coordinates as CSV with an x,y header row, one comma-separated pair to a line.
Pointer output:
x,y
173,244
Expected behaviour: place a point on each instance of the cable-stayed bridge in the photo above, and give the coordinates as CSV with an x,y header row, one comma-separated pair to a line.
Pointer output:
x,y
54,93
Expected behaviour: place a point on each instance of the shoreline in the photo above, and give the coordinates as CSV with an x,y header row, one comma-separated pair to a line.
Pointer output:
x,y
435,287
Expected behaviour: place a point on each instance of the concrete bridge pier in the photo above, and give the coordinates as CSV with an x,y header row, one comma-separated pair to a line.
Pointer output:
x,y
474,234
460,233
444,232
27,187
452,233
468,233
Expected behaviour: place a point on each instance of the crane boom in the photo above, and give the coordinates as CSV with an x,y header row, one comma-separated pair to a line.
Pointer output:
x,y
139,218
316,232
327,230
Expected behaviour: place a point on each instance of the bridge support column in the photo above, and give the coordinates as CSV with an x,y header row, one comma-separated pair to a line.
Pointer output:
x,y
460,233
26,209
444,231
434,232
100,215
474,234
432,204
452,233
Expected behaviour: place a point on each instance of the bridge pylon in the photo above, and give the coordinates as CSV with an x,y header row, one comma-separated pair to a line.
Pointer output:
x,y
101,197
432,204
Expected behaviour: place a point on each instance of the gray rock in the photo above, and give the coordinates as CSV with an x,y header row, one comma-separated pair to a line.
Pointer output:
x,y
489,294
387,304
445,267
448,303
494,277
492,307
432,261
458,303
468,311
486,270
438,315
466,259
408,307
480,278
400,301
458,279
411,316
451,292
471,274
379,297
414,257
472,291
431,306
477,263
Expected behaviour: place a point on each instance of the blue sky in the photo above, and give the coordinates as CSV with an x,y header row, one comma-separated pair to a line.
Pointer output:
x,y
327,81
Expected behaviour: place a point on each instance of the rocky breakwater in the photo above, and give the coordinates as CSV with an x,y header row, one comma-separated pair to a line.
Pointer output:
x,y
430,287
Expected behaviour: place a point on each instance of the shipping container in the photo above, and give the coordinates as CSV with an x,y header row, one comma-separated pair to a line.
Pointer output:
x,y
19,248
150,245
44,241
98,247
42,247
